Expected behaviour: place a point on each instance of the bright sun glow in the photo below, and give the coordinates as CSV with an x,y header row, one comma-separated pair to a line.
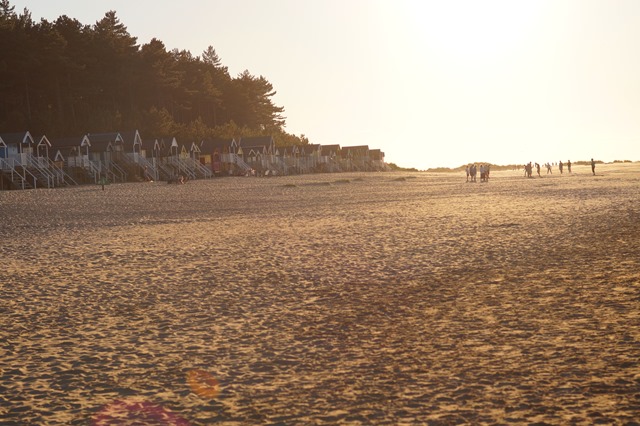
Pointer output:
x,y
470,30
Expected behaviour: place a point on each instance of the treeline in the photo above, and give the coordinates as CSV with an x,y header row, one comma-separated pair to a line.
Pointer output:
x,y
65,78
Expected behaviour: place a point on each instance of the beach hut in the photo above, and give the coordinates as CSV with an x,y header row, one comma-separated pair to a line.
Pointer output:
x,y
66,151
195,163
235,146
285,155
17,165
298,159
177,161
355,158
104,146
159,149
43,160
72,155
4,150
42,147
184,154
194,151
5,182
17,147
93,152
174,148
329,160
216,154
376,157
26,163
259,153
161,158
58,159
134,158
107,150
132,142
239,165
310,154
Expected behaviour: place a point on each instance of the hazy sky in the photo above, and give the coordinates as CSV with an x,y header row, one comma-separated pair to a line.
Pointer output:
x,y
431,83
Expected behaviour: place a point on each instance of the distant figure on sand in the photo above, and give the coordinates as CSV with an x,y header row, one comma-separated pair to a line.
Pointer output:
x,y
484,173
538,169
528,169
560,166
569,165
593,167
548,166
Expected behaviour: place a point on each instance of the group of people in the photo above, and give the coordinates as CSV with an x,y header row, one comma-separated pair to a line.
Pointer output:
x,y
560,166
472,172
528,168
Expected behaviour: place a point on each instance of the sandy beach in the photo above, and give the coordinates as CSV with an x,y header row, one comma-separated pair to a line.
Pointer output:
x,y
377,298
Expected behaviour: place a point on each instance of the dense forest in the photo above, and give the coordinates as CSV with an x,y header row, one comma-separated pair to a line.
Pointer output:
x,y
65,78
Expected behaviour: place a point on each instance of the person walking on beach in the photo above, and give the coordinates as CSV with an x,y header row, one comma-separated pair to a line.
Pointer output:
x,y
569,165
529,170
538,169
548,165
593,167
560,166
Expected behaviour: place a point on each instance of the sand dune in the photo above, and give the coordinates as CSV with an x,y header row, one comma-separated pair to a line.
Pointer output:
x,y
324,299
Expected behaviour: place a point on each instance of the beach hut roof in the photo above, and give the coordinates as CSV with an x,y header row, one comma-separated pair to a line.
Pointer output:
x,y
86,141
43,141
255,151
216,144
163,146
159,144
283,151
17,138
101,142
361,148
131,138
309,148
42,146
61,152
257,142
194,147
174,143
67,141
356,150
57,155
327,150
114,137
